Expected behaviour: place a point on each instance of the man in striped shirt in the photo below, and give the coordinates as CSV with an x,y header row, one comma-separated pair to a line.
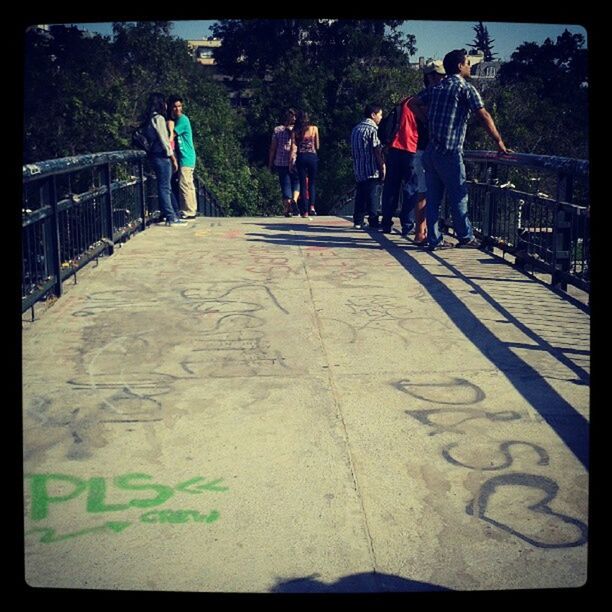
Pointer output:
x,y
447,108
368,165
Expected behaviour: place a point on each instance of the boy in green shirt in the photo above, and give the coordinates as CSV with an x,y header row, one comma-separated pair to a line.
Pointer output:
x,y
186,157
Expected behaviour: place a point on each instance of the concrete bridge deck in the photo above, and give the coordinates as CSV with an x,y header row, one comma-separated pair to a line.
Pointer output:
x,y
275,405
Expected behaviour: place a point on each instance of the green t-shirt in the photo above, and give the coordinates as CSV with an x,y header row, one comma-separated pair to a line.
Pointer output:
x,y
184,139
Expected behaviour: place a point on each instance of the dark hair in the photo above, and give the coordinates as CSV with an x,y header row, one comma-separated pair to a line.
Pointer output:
x,y
156,103
371,109
301,124
171,100
453,59
289,115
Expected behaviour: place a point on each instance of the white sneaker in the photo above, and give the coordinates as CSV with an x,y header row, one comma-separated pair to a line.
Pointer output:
x,y
357,226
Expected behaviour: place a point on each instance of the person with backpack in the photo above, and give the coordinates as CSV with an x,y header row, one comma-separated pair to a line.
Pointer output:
x,y
368,166
415,190
160,156
399,135
186,157
447,108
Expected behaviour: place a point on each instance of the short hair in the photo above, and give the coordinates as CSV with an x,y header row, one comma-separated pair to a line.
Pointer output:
x,y
371,109
453,59
174,98
290,114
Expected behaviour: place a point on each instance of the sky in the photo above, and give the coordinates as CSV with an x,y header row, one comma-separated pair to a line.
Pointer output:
x,y
433,38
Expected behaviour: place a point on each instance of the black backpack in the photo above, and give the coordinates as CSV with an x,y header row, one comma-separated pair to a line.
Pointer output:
x,y
389,124
140,140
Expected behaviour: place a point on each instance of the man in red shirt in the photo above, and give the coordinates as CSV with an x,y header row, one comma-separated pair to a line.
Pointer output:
x,y
399,160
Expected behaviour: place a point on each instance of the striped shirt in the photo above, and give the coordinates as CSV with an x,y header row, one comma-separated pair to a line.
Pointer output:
x,y
282,135
364,139
449,106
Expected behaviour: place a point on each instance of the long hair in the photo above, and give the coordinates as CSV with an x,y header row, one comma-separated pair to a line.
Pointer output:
x,y
156,104
302,123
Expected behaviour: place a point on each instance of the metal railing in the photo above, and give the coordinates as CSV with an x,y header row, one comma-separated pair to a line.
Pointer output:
x,y
534,207
75,209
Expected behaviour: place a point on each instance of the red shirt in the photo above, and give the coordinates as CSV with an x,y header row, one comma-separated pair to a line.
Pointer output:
x,y
407,136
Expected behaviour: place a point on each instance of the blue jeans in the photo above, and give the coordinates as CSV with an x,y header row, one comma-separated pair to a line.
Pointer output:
x,y
399,170
307,165
367,196
162,166
289,181
446,171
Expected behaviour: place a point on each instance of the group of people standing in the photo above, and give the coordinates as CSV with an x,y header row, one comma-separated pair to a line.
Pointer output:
x,y
424,156
172,157
293,156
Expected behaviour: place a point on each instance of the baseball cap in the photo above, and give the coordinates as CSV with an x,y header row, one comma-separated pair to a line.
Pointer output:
x,y
434,66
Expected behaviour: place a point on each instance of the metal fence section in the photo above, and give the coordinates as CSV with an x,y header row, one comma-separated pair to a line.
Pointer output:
x,y
208,204
76,208
534,207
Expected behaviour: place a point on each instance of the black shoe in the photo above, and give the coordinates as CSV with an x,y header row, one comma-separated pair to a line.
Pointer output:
x,y
386,229
466,243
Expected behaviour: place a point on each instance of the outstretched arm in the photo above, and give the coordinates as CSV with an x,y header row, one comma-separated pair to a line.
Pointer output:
x,y
489,124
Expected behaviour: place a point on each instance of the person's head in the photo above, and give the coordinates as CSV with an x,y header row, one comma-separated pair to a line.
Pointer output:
x,y
290,116
433,73
175,106
374,112
156,103
457,62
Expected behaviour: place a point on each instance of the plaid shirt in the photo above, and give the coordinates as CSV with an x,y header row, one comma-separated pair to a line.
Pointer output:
x,y
364,139
282,135
450,104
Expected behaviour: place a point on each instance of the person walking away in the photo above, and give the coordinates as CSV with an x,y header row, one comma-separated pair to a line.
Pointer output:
x,y
447,108
305,144
186,158
161,158
279,158
368,166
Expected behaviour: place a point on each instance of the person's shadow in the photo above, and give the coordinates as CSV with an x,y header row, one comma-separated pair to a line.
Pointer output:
x,y
366,582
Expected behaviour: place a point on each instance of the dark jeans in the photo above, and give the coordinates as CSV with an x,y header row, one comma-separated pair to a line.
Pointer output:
x,y
367,197
289,181
399,170
307,164
162,166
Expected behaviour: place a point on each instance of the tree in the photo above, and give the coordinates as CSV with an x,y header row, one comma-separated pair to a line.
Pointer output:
x,y
483,42
328,67
86,94
540,103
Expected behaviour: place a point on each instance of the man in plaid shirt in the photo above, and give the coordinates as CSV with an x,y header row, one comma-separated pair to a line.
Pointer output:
x,y
447,108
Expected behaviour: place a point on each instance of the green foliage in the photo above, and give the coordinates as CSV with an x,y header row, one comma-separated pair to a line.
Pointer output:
x,y
540,102
329,68
483,42
86,94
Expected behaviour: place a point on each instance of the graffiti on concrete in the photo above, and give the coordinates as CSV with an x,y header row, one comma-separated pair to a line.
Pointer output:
x,y
49,535
449,390
517,503
526,512
48,491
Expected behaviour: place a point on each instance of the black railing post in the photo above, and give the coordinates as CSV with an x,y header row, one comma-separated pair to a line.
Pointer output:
x,y
55,238
198,183
143,195
561,242
487,224
109,207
